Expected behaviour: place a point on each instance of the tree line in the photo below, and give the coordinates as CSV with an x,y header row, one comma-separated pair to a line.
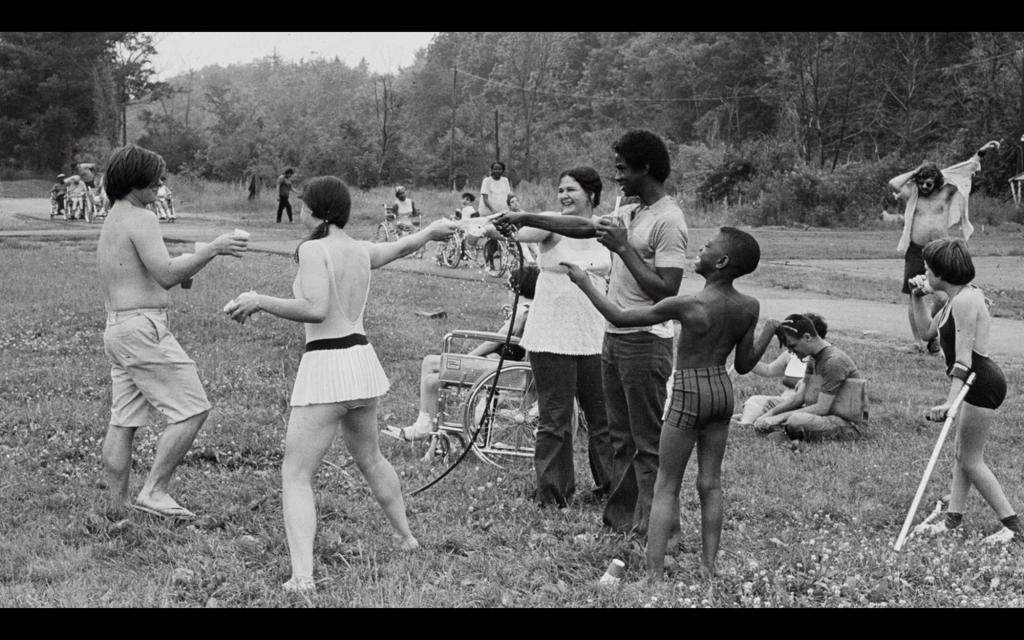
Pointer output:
x,y
740,110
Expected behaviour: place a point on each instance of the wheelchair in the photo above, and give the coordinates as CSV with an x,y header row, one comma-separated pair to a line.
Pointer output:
x,y
464,385
392,228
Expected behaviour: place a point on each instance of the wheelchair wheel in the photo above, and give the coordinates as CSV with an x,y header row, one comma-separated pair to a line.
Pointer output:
x,y
383,233
451,252
511,428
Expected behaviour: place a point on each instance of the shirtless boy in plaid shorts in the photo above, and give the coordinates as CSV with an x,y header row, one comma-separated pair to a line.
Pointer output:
x,y
148,368
713,323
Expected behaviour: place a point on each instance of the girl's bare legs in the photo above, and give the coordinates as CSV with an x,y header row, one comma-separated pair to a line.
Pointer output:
x,y
973,426
359,429
311,432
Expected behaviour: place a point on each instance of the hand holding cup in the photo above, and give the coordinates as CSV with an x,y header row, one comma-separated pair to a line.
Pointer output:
x,y
442,229
231,244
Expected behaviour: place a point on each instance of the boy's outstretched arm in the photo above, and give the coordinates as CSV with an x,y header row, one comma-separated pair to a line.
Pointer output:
x,y
667,309
749,350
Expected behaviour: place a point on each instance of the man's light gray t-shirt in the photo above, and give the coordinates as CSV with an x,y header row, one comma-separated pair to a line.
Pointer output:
x,y
659,235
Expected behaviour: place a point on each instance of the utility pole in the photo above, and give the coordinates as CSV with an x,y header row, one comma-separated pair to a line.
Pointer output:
x,y
451,143
497,146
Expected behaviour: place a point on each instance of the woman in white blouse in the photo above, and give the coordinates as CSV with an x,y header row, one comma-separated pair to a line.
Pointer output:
x,y
563,337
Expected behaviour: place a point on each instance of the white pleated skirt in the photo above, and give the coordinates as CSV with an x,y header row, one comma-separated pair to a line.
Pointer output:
x,y
339,375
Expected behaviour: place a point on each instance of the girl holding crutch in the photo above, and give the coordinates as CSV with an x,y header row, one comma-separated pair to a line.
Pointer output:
x,y
962,326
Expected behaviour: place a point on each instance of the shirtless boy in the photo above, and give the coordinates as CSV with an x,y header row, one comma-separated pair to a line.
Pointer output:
x,y
936,208
714,322
148,368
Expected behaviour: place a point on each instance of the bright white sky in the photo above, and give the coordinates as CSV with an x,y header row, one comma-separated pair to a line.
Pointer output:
x,y
385,52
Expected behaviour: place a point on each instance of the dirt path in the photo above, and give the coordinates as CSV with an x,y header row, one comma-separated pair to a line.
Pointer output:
x,y
29,218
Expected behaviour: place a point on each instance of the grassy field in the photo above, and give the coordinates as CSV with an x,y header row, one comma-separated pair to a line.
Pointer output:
x,y
810,527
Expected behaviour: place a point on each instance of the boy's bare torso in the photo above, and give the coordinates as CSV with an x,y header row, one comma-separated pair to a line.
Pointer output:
x,y
931,217
127,284
713,325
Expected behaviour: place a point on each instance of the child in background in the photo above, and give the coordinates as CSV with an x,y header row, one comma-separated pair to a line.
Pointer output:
x,y
466,208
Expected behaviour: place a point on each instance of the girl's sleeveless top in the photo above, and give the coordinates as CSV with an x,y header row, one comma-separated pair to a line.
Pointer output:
x,y
348,296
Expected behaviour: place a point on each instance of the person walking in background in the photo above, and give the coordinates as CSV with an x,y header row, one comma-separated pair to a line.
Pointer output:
x,y
962,326
148,368
563,337
284,191
339,380
494,190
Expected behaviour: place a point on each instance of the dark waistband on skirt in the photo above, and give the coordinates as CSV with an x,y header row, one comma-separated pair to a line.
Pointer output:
x,y
346,342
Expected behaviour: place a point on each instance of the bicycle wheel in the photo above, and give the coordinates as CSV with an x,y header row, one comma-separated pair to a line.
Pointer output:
x,y
383,233
510,430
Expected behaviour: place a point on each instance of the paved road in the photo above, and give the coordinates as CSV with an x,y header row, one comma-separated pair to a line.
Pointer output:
x,y
29,218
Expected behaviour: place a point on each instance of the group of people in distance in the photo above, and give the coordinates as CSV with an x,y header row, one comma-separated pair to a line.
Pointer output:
x,y
604,312
78,196
82,196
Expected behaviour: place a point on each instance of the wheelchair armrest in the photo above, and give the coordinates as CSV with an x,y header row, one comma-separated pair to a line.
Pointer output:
x,y
485,336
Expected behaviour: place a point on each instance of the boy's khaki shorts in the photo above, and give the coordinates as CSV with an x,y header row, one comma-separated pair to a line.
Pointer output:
x,y
149,370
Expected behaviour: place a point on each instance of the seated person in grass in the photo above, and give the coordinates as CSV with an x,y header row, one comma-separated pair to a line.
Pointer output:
x,y
788,366
799,417
526,281
713,323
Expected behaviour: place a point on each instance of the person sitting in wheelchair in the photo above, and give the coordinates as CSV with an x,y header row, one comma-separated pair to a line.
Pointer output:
x,y
58,192
403,206
526,280
77,193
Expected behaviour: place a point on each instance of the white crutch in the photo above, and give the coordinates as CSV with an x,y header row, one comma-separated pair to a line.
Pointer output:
x,y
950,416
